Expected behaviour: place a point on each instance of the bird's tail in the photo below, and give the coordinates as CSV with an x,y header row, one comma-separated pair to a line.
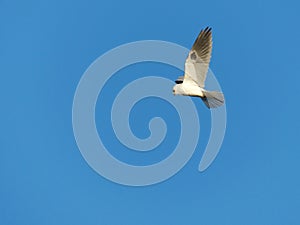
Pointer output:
x,y
213,99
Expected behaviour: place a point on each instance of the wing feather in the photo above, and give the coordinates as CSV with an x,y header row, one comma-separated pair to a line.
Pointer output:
x,y
197,62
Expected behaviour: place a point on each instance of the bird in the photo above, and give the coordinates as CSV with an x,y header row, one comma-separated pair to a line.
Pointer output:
x,y
192,83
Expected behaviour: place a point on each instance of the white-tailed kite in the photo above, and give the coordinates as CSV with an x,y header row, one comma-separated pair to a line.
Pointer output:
x,y
196,67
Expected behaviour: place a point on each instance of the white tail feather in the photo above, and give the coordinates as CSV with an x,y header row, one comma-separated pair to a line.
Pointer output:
x,y
213,99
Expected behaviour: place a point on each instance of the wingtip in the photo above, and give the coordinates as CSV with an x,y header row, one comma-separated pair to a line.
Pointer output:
x,y
208,29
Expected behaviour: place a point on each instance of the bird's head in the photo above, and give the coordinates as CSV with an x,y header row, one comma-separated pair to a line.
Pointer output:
x,y
176,89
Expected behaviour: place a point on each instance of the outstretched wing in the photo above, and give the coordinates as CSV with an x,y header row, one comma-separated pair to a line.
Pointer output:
x,y
197,62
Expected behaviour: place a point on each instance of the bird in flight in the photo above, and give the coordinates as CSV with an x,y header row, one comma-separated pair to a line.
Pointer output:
x,y
195,71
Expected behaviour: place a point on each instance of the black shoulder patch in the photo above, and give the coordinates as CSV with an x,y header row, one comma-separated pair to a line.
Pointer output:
x,y
178,81
193,56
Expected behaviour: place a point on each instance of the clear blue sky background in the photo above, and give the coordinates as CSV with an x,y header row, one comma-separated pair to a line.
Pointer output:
x,y
45,47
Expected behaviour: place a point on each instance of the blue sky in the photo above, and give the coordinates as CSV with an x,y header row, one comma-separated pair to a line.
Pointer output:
x,y
45,47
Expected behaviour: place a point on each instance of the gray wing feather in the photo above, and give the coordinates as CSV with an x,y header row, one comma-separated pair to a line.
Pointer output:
x,y
197,62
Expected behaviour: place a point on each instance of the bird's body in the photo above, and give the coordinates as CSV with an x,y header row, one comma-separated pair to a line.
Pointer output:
x,y
188,88
196,67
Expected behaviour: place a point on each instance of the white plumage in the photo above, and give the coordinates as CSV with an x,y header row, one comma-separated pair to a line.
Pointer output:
x,y
196,67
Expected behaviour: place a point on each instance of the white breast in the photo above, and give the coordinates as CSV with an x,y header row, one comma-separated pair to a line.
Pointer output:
x,y
192,89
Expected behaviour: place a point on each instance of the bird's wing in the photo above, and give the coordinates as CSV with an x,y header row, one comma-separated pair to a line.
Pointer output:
x,y
197,62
